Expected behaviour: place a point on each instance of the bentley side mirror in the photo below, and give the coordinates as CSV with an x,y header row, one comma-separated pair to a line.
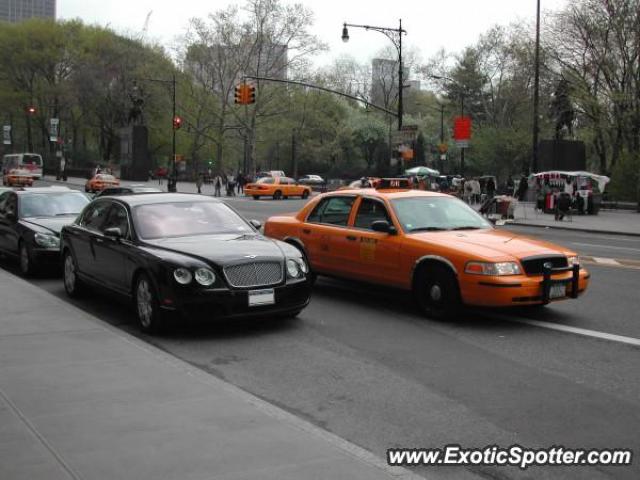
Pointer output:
x,y
11,216
256,224
113,232
383,226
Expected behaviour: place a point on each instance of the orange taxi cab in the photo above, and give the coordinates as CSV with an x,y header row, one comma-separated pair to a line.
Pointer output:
x,y
99,182
276,187
18,177
430,243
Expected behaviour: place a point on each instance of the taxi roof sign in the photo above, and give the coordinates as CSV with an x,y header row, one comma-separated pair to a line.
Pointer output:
x,y
393,183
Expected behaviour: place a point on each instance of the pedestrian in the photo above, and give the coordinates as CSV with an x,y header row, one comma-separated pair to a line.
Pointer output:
x,y
217,185
491,188
199,182
231,185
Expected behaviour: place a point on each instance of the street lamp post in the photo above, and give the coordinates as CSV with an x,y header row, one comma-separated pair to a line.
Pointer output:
x,y
461,90
395,35
536,93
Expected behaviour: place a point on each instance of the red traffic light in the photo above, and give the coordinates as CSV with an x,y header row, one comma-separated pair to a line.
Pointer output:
x,y
177,122
31,109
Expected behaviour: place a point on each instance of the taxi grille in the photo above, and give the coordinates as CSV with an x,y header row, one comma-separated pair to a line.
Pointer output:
x,y
255,274
535,265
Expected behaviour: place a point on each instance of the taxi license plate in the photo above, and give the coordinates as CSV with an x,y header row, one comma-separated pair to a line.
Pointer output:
x,y
261,297
558,290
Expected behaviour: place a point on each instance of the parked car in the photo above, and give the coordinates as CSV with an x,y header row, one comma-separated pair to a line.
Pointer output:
x,y
182,253
127,190
270,173
99,182
276,187
30,224
314,181
18,177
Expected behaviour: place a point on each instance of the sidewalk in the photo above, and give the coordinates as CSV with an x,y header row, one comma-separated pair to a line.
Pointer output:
x,y
607,221
82,400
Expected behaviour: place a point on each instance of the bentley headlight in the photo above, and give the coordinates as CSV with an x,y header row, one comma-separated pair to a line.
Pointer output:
x,y
293,268
303,266
182,276
47,240
495,269
575,260
205,277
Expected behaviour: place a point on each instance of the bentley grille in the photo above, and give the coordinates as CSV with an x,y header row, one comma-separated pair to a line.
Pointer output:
x,y
257,274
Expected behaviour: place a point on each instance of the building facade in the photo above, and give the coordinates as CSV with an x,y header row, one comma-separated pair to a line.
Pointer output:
x,y
384,81
18,10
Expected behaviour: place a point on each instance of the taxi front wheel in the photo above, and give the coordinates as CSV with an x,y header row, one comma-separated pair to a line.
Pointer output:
x,y
436,292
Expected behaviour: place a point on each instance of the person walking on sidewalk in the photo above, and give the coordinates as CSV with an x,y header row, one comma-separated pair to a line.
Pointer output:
x,y
199,182
217,185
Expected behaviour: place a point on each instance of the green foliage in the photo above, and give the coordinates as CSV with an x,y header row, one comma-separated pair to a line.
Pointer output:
x,y
625,179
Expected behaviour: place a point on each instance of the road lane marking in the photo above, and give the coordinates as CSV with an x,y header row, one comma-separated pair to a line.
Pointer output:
x,y
605,246
611,262
576,330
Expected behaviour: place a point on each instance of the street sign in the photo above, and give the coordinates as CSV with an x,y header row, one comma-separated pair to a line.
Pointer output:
x,y
407,135
53,129
6,135
462,131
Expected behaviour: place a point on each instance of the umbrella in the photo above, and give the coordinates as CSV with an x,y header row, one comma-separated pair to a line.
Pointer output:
x,y
422,171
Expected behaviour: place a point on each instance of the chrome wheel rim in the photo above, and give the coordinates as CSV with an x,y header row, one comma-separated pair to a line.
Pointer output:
x,y
69,274
24,259
435,293
145,307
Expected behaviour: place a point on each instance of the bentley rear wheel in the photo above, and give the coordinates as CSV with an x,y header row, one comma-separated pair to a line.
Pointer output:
x,y
72,284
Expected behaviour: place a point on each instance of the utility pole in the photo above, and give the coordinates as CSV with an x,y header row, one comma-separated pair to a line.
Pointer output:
x,y
536,93
294,161
462,149
172,185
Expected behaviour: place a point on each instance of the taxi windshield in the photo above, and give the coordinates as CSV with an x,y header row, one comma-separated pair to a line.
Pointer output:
x,y
51,204
422,214
186,219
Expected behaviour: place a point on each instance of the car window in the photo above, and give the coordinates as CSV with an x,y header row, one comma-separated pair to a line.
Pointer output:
x,y
332,210
266,180
287,181
52,204
93,216
117,218
370,211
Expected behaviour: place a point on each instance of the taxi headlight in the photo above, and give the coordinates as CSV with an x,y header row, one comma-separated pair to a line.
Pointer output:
x,y
182,276
293,268
205,277
46,240
496,269
575,260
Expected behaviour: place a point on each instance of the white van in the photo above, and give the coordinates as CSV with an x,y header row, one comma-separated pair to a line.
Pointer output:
x,y
23,161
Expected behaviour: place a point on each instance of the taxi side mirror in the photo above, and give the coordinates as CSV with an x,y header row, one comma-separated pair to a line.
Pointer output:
x,y
383,226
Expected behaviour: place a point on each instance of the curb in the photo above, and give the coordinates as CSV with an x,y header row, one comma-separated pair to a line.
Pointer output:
x,y
350,449
570,229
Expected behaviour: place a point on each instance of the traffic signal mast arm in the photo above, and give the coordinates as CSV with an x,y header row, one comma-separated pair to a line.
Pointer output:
x,y
317,87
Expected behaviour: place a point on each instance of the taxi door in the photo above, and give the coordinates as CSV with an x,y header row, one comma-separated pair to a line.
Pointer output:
x,y
373,256
322,230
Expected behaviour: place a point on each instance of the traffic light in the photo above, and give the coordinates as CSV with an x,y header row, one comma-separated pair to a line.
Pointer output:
x,y
240,94
177,122
252,94
30,109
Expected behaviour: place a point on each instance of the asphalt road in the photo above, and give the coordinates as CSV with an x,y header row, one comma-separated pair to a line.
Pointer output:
x,y
361,362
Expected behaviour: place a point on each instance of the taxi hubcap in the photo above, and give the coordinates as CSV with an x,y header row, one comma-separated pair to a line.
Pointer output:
x,y
145,309
69,273
435,293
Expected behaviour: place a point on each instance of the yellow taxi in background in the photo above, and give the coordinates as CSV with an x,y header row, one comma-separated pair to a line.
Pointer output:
x,y
99,182
277,187
430,243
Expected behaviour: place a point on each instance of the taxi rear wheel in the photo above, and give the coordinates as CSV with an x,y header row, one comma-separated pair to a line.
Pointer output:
x,y
277,195
436,291
256,197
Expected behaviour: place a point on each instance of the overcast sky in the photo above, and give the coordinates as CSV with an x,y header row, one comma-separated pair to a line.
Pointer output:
x,y
431,25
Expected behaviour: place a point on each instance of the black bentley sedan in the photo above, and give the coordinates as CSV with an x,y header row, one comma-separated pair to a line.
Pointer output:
x,y
30,224
190,254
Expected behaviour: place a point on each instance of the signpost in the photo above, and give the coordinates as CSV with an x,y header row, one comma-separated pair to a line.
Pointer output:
x,y
53,129
6,135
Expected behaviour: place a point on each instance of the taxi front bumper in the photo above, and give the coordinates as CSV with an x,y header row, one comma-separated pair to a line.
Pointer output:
x,y
513,290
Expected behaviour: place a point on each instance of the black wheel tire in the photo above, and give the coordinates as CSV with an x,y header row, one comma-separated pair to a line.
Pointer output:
x,y
256,197
72,284
305,194
277,195
26,261
151,318
437,293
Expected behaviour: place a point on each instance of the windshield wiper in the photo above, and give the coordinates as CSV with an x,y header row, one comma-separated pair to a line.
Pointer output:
x,y
467,227
427,229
